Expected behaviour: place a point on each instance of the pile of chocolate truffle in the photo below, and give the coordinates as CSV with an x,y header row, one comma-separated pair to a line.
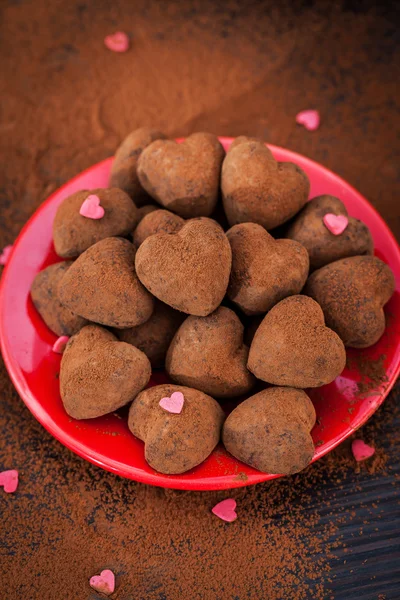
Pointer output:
x,y
174,266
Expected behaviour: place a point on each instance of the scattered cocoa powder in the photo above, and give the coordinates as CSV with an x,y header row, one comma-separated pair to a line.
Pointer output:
x,y
371,370
241,476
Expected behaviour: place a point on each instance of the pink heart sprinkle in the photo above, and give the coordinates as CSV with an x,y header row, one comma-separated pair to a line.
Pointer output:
x,y
335,223
309,118
361,450
174,404
5,255
91,208
225,510
9,480
117,42
59,345
104,583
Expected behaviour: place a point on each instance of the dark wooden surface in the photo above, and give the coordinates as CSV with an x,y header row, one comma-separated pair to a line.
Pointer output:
x,y
230,68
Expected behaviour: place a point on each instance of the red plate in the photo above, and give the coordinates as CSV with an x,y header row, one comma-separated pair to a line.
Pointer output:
x,y
26,345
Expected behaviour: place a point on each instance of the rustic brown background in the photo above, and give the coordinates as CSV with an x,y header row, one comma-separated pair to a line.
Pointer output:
x,y
230,68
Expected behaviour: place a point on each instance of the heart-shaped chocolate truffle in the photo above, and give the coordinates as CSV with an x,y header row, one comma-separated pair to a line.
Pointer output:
x,y
242,139
154,337
352,293
258,189
44,293
145,210
99,374
74,233
175,443
293,347
159,221
264,270
271,431
102,286
183,177
124,168
323,245
188,270
208,353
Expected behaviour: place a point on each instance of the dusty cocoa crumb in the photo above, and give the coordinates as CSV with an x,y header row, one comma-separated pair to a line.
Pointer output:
x,y
241,476
372,372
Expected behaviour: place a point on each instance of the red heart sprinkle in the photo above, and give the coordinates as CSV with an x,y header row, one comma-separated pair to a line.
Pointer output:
x,y
59,345
174,404
9,480
225,510
309,119
335,223
91,208
361,450
117,42
5,255
104,583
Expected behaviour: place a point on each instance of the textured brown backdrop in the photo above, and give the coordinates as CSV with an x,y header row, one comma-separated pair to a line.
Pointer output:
x,y
230,68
